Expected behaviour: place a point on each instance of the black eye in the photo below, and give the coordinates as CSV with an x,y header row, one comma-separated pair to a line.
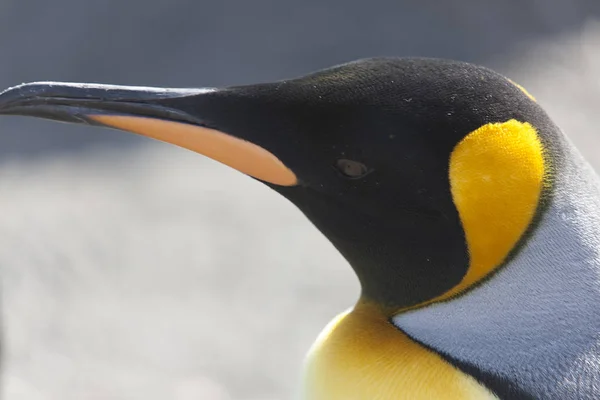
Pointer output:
x,y
351,169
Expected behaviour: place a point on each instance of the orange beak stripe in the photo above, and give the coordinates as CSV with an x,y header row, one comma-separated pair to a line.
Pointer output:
x,y
239,154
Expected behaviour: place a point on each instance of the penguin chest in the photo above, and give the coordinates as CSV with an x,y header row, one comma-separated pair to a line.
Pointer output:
x,y
361,356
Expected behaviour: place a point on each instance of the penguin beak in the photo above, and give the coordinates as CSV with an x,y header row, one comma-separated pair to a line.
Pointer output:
x,y
169,115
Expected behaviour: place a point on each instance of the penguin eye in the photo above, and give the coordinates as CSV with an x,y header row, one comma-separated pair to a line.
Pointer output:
x,y
351,169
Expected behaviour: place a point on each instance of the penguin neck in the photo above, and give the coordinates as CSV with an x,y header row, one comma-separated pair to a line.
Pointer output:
x,y
401,259
543,301
564,240
402,269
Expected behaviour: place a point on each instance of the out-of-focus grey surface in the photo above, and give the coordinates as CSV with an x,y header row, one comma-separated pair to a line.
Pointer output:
x,y
136,270
225,42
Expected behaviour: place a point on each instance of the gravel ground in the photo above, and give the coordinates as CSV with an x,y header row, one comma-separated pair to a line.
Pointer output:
x,y
152,273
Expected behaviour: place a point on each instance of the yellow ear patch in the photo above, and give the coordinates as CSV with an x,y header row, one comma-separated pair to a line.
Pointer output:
x,y
496,179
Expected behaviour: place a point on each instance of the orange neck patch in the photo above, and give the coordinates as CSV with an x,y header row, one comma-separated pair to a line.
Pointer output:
x,y
242,155
361,355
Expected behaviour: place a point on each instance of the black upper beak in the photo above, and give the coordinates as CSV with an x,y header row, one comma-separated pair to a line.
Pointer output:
x,y
216,123
74,102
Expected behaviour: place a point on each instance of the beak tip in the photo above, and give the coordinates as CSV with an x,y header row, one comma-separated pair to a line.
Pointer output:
x,y
35,99
11,96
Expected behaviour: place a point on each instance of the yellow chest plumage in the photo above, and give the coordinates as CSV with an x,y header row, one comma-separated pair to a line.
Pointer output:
x,y
361,356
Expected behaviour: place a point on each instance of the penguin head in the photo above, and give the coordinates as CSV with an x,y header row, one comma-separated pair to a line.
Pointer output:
x,y
365,150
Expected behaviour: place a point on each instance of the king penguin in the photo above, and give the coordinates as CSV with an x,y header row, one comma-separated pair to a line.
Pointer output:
x,y
470,220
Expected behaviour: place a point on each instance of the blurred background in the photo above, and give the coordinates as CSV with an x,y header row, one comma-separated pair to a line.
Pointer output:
x,y
132,269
